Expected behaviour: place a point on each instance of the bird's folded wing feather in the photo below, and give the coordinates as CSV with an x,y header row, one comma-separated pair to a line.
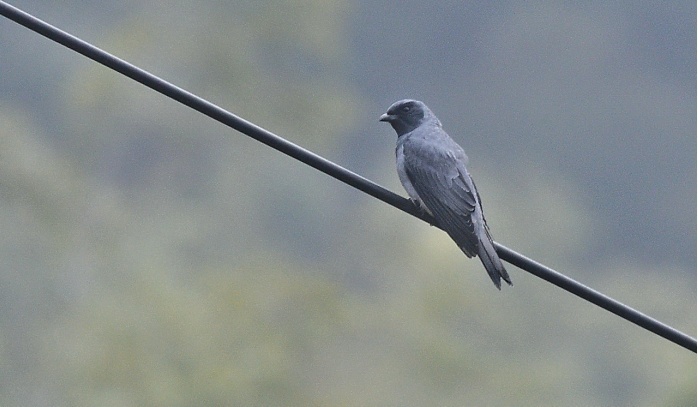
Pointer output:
x,y
440,179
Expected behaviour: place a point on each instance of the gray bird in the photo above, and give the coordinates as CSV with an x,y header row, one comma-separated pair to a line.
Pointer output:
x,y
431,167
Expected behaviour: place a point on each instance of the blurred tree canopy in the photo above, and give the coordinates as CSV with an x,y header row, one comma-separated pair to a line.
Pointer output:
x,y
149,261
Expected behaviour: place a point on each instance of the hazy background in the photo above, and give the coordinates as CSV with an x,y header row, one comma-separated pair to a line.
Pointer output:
x,y
153,257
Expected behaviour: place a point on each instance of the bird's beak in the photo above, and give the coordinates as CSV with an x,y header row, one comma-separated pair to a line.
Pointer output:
x,y
386,117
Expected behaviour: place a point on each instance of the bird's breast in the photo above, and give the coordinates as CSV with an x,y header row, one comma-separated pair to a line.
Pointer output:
x,y
402,173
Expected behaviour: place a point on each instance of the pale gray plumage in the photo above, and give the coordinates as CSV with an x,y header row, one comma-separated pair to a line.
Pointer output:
x,y
431,167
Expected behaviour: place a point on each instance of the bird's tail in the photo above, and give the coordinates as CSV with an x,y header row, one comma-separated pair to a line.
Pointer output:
x,y
492,262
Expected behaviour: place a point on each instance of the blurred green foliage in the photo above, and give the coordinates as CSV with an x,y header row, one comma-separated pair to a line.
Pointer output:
x,y
149,261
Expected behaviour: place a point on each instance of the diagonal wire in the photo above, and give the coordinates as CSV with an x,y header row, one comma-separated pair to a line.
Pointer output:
x,y
333,170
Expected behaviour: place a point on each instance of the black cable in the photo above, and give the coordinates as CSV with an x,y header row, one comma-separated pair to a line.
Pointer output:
x,y
596,297
332,169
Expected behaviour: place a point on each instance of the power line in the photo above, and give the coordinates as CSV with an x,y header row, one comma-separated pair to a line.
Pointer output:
x,y
332,169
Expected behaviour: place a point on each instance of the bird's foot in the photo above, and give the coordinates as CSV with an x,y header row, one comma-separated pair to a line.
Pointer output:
x,y
424,211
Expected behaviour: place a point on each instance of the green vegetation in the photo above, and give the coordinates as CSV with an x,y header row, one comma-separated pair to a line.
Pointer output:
x,y
152,257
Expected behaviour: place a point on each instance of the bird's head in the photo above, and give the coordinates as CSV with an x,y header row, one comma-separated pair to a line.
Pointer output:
x,y
408,114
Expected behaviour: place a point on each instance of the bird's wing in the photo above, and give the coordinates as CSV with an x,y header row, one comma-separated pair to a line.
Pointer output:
x,y
439,176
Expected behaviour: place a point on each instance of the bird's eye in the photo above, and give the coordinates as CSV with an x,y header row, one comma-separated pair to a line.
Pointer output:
x,y
406,108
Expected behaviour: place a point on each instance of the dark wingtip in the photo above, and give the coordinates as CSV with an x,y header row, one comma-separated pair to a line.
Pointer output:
x,y
493,265
507,279
498,283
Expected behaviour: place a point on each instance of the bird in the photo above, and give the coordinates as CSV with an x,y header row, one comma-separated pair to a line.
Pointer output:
x,y
432,169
